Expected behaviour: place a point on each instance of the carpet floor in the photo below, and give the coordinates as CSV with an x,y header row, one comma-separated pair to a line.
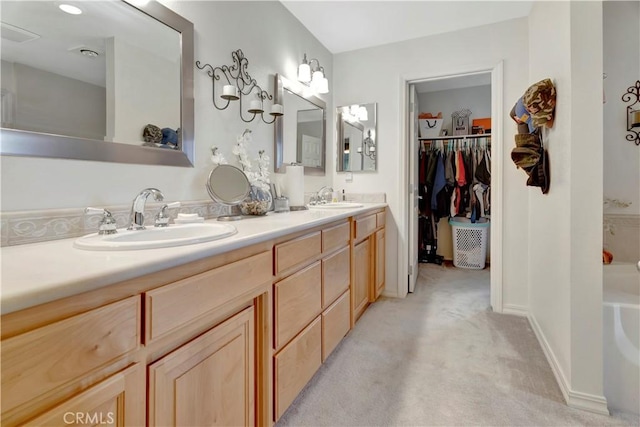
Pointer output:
x,y
439,357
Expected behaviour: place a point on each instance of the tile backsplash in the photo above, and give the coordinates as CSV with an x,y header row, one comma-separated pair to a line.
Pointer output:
x,y
620,236
19,228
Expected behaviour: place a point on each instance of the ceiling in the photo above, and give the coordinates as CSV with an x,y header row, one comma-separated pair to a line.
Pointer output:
x,y
342,26
38,34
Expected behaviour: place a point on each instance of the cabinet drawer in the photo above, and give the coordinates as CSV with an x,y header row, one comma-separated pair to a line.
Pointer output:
x,y
174,305
336,276
297,300
118,398
381,218
296,251
365,226
335,237
335,324
37,362
295,365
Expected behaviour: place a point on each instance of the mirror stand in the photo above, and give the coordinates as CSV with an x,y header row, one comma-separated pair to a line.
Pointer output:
x,y
229,186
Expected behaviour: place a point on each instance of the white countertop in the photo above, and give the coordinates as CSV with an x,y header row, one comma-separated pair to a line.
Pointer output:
x,y
42,272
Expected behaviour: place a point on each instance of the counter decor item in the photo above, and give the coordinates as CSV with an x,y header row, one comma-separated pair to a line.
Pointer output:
x,y
188,218
258,202
294,186
281,204
256,198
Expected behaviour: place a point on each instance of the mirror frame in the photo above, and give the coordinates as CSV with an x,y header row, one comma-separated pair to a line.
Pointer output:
x,y
33,144
339,137
281,83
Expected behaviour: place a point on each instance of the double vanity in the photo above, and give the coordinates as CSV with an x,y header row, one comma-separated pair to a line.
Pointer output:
x,y
225,332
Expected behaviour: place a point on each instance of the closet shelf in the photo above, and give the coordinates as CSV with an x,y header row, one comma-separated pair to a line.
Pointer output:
x,y
440,138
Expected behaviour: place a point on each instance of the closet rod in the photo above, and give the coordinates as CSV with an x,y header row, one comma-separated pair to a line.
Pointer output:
x,y
438,138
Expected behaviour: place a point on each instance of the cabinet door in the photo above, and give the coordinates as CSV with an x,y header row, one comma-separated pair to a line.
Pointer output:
x,y
295,365
379,264
335,324
209,381
117,401
362,282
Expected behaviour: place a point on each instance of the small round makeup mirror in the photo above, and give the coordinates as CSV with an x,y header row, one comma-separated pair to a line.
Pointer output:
x,y
229,186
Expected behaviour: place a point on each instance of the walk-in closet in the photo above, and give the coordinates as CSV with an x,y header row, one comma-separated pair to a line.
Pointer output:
x,y
454,171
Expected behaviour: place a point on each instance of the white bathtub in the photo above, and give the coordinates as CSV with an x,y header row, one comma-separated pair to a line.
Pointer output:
x,y
621,342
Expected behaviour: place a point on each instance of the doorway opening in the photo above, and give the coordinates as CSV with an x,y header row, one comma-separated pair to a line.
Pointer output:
x,y
453,172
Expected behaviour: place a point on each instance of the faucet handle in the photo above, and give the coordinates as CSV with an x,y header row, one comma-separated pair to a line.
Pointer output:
x,y
108,222
162,218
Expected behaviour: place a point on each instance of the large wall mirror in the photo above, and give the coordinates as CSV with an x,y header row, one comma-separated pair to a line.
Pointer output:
x,y
357,138
84,86
300,135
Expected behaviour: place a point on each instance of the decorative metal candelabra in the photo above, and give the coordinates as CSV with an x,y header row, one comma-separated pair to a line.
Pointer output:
x,y
240,85
369,146
633,115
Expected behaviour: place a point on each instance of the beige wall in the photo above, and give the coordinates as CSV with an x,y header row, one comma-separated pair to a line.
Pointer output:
x,y
565,272
357,81
622,66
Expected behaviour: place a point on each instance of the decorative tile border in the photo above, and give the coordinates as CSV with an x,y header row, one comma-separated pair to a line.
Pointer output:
x,y
357,197
620,236
19,228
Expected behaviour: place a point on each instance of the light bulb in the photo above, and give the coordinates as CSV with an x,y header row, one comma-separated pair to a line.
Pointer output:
x,y
363,114
323,86
304,73
316,79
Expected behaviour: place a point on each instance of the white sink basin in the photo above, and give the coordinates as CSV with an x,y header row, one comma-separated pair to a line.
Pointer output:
x,y
155,237
337,205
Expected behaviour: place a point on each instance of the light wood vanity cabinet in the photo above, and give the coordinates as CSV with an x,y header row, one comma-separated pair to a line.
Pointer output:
x,y
380,257
42,369
194,351
369,258
362,277
227,340
309,306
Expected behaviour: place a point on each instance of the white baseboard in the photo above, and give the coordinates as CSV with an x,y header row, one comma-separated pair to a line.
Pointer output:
x,y
517,310
574,399
390,294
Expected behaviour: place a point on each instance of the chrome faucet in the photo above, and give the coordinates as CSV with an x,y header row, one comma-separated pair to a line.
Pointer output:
x,y
136,220
324,194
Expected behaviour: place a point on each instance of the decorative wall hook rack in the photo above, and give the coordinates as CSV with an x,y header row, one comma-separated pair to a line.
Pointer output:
x,y
633,113
241,85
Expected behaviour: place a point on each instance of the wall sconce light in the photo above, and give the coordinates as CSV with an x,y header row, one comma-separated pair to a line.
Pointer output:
x,y
317,79
369,146
239,85
633,114
355,113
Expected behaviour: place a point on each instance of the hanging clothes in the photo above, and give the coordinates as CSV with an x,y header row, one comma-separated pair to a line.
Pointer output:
x,y
439,180
455,179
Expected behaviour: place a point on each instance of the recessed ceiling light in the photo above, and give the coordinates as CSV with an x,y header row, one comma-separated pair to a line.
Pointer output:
x,y
73,10
139,3
90,53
